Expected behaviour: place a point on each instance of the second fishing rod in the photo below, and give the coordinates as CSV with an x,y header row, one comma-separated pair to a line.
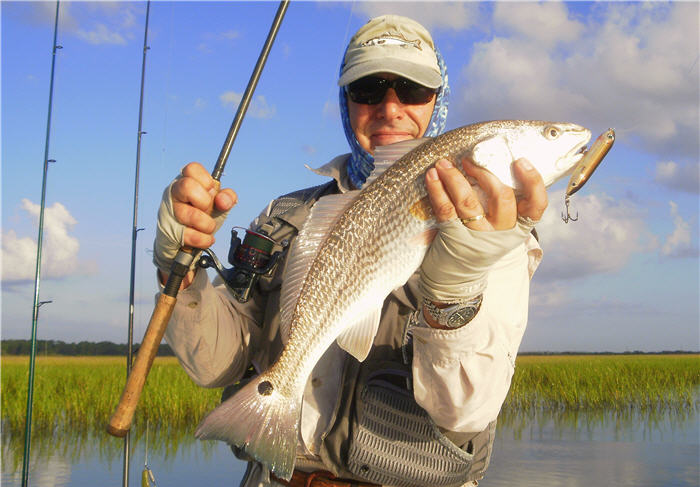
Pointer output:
x,y
120,422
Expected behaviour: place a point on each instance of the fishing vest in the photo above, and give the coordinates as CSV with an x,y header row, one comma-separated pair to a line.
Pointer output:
x,y
378,433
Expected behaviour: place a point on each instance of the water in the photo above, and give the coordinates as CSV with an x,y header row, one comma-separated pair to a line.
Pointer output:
x,y
543,450
611,450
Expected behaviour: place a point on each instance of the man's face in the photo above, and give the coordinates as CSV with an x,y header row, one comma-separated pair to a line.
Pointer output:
x,y
389,121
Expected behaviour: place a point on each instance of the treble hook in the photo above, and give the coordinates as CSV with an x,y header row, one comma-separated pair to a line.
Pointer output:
x,y
568,216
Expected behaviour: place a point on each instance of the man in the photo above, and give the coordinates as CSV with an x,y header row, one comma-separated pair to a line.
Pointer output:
x,y
443,358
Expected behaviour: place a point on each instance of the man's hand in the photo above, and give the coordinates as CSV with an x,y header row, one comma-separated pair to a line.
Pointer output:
x,y
472,237
194,195
452,196
191,212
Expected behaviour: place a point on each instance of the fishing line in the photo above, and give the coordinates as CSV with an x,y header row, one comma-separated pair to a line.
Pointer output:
x,y
168,78
147,477
332,91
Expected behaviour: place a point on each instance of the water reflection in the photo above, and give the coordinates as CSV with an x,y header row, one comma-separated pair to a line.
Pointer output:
x,y
622,425
543,449
75,446
624,448
86,459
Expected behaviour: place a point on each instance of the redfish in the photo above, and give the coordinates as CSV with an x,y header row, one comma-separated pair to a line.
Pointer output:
x,y
353,250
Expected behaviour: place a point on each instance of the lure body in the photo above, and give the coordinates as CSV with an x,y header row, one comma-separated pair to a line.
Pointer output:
x,y
591,160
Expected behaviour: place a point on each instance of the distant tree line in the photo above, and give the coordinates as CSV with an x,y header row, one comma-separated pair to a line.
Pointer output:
x,y
633,352
58,347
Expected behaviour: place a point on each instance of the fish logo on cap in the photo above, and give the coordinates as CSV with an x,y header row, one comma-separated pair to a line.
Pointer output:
x,y
392,39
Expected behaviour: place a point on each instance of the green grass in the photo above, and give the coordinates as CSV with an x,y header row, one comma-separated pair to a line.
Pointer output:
x,y
651,383
80,393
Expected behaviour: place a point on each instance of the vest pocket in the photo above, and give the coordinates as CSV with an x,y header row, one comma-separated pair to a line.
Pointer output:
x,y
395,442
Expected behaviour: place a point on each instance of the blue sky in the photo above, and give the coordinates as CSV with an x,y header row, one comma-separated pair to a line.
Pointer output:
x,y
624,277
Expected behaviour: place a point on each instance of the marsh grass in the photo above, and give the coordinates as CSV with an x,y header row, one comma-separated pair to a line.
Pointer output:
x,y
652,383
78,394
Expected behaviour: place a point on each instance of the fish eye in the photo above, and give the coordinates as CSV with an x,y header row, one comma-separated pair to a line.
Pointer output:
x,y
551,132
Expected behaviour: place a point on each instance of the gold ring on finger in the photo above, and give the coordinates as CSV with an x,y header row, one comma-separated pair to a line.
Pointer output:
x,y
471,219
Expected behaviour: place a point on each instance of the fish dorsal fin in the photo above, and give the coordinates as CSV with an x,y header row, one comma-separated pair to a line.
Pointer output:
x,y
495,155
324,213
357,338
386,155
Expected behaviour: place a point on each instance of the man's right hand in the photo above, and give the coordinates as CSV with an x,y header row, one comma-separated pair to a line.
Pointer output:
x,y
191,212
194,195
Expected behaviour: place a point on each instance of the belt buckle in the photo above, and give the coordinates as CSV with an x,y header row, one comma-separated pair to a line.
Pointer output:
x,y
320,475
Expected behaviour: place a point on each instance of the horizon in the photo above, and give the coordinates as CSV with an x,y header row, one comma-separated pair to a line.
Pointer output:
x,y
522,352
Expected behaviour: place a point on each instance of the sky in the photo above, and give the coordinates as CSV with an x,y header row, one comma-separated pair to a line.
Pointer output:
x,y
624,277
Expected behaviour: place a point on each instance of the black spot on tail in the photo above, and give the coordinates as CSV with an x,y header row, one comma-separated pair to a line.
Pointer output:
x,y
265,388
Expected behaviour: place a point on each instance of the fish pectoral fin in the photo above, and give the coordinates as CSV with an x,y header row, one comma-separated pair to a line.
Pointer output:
x,y
494,154
304,250
357,338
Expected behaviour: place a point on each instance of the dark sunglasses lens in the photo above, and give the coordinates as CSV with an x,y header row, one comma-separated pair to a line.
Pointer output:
x,y
368,91
412,93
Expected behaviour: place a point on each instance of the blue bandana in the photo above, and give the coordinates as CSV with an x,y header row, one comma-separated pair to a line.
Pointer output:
x,y
361,162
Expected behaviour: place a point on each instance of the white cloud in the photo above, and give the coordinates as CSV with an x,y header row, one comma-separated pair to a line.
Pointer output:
x,y
18,257
258,108
633,67
506,81
683,177
59,249
331,109
286,50
547,23
552,296
603,239
230,34
100,34
227,35
433,15
117,24
678,243
216,37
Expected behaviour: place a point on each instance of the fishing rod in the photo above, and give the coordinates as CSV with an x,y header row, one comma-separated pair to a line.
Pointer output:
x,y
134,233
120,422
37,275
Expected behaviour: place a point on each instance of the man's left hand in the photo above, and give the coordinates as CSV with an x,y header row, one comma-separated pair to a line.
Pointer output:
x,y
471,237
452,196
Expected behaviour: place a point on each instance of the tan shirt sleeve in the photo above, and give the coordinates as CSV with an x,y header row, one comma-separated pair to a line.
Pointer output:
x,y
210,334
462,376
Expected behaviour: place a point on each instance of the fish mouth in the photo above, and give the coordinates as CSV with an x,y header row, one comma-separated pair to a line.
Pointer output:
x,y
574,156
577,153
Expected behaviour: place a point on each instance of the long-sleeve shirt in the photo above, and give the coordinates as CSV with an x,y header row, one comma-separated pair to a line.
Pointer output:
x,y
460,376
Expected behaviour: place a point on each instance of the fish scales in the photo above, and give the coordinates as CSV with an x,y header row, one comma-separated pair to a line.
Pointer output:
x,y
371,248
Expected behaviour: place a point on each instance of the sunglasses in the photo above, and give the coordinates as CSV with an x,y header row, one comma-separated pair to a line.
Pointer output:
x,y
371,90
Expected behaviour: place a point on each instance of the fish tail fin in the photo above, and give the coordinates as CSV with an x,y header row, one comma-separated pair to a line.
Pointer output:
x,y
260,420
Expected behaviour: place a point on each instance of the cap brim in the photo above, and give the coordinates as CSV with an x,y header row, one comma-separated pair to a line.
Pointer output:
x,y
420,74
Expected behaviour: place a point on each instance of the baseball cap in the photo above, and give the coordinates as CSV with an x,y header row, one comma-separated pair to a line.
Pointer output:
x,y
392,44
